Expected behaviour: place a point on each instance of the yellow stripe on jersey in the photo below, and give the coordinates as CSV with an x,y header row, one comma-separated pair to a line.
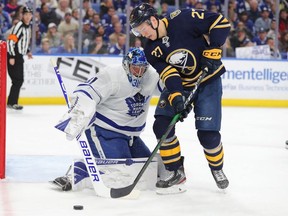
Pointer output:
x,y
165,22
191,82
215,22
169,73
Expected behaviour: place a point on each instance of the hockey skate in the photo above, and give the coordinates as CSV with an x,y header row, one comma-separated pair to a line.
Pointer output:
x,y
220,178
173,183
64,183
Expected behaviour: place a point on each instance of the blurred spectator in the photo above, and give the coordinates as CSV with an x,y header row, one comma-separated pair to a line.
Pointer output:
x,y
188,4
138,43
110,28
68,46
214,9
275,54
5,22
261,37
263,21
272,31
104,7
244,18
75,15
15,20
283,20
48,15
45,47
87,36
37,20
119,47
67,26
120,5
254,11
156,4
241,6
240,25
117,31
98,46
240,39
89,14
54,37
52,4
283,44
164,10
86,5
214,3
107,18
101,31
232,15
11,8
63,8
200,6
96,22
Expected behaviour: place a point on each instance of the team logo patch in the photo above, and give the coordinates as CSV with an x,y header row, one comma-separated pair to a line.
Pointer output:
x,y
174,14
182,59
136,104
165,40
162,104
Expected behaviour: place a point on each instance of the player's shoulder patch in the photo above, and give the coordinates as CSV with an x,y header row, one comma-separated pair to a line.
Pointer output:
x,y
174,14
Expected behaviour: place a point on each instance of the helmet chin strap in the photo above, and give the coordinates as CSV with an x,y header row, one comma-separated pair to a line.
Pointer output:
x,y
157,27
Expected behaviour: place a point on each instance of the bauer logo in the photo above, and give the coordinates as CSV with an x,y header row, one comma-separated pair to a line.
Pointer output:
x,y
90,162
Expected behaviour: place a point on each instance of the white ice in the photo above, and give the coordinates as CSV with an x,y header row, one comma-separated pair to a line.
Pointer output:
x,y
256,163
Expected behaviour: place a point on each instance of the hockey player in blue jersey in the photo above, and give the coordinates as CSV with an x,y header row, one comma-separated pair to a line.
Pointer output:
x,y
117,100
180,47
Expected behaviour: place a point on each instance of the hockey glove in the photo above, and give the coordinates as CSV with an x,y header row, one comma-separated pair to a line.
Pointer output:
x,y
211,58
177,101
78,117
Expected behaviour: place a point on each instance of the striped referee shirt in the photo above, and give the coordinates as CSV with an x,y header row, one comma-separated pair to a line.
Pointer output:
x,y
19,39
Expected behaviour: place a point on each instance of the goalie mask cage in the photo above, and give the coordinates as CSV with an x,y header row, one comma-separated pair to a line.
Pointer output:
x,y
3,71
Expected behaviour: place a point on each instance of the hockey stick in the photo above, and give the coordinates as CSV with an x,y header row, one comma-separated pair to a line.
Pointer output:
x,y
90,162
120,192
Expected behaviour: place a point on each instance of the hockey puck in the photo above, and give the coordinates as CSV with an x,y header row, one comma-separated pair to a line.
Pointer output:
x,y
78,207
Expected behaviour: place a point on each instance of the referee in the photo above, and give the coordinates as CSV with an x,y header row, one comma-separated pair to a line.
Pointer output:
x,y
17,46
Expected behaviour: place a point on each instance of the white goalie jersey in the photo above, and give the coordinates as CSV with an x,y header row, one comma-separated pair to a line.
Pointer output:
x,y
120,107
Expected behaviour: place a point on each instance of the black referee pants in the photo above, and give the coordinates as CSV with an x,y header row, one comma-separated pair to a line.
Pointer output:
x,y
16,73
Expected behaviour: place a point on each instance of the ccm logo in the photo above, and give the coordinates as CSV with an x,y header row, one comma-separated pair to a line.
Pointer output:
x,y
214,53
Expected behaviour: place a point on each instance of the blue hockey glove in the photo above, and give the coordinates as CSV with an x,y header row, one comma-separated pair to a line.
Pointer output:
x,y
211,58
177,101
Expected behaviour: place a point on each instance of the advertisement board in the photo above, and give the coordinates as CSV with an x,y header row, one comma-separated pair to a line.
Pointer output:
x,y
246,82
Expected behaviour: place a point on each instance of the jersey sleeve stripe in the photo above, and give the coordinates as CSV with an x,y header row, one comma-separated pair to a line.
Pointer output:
x,y
215,22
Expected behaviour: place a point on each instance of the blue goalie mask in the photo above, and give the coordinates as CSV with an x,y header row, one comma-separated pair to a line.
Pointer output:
x,y
135,64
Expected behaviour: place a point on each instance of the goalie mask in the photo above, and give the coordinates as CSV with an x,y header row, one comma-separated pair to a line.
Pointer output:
x,y
135,64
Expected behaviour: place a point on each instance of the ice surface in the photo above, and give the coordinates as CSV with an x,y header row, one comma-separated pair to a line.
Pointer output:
x,y
256,163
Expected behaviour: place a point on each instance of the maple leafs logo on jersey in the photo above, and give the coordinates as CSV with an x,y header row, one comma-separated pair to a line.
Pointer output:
x,y
135,104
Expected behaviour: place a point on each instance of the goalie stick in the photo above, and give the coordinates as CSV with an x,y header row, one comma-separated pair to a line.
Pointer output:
x,y
120,192
90,162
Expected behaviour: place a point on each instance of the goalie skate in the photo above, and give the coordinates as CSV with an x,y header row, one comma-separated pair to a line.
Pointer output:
x,y
64,183
220,178
173,183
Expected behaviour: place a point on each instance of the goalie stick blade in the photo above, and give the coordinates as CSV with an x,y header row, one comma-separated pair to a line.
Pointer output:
x,y
121,192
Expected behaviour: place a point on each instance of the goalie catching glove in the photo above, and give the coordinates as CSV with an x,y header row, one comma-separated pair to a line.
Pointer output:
x,y
176,100
211,58
78,117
